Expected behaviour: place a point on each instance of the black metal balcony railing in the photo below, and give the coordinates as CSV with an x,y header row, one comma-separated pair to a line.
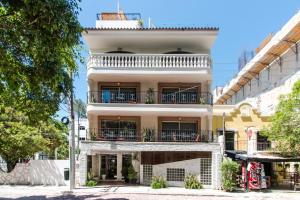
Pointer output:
x,y
185,136
115,96
117,134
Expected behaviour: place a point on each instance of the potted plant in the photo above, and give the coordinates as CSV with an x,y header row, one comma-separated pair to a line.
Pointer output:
x,y
148,135
90,179
93,135
103,174
202,100
150,96
132,175
140,22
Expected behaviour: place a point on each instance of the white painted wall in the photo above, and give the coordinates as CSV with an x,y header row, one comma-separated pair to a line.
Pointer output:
x,y
272,82
37,172
118,24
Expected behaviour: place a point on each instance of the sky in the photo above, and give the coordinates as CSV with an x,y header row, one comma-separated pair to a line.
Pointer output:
x,y
243,25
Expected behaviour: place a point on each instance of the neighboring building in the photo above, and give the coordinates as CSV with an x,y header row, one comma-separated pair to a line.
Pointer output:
x,y
81,126
250,99
242,126
271,73
149,102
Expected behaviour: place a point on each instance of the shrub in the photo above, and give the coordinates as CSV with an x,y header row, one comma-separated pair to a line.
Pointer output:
x,y
132,174
158,182
229,170
91,183
191,182
90,179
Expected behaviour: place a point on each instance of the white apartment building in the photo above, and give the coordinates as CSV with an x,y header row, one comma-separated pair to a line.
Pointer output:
x,y
149,102
272,72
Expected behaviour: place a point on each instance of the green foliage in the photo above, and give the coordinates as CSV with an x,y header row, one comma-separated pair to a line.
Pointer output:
x,y
91,183
150,96
148,135
229,170
191,182
19,138
80,108
284,130
39,45
90,175
158,182
132,174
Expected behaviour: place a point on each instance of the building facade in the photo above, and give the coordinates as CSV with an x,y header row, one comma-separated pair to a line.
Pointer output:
x,y
272,72
244,106
149,102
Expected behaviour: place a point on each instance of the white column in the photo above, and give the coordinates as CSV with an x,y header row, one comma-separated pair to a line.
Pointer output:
x,y
82,168
216,170
119,166
209,126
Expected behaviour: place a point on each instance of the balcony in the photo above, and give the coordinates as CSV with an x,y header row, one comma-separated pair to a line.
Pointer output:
x,y
153,97
132,135
157,67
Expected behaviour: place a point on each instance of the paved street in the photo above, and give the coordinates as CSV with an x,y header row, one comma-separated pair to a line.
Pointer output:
x,y
133,193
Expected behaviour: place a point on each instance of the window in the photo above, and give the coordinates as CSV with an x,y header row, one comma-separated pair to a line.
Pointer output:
x,y
179,95
262,142
114,129
175,174
118,95
147,174
205,171
81,127
179,131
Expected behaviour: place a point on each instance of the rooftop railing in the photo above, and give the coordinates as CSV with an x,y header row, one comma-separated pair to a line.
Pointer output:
x,y
120,16
150,61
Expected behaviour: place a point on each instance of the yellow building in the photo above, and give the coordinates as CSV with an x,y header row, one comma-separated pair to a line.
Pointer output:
x,y
242,123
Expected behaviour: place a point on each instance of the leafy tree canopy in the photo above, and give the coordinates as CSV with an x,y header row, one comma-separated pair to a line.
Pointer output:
x,y
285,124
80,108
39,45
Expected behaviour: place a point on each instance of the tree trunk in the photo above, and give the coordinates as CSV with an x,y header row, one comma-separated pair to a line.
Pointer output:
x,y
10,165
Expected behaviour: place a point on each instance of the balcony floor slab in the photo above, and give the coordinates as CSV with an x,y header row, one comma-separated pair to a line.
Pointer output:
x,y
194,110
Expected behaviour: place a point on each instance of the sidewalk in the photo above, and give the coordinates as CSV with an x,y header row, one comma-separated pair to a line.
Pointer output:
x,y
45,192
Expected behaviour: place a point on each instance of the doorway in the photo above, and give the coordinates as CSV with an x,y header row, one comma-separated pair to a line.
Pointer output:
x,y
109,166
229,140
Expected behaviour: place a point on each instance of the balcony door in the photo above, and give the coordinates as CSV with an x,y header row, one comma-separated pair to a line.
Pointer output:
x,y
179,131
115,92
179,93
122,128
119,95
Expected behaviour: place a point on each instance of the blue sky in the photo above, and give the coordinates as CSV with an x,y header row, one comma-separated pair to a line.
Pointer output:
x,y
243,25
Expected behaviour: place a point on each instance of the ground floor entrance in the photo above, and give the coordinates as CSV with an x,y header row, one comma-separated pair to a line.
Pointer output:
x,y
140,167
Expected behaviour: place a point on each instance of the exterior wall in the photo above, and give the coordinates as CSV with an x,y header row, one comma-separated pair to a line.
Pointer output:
x,y
271,82
150,122
236,122
191,167
37,172
118,24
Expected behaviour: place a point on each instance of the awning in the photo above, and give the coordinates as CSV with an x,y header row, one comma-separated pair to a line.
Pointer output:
x,y
260,157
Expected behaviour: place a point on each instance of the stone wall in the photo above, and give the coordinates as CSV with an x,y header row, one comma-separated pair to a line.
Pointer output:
x,y
37,172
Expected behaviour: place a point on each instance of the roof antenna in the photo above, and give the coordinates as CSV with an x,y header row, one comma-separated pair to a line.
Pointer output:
x,y
118,6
